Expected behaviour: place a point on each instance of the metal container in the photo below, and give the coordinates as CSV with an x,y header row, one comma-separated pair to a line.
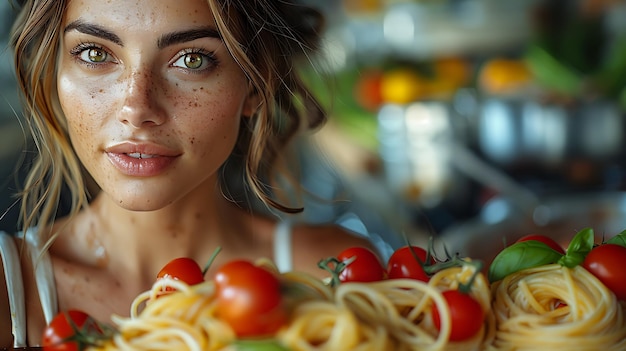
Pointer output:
x,y
514,131
416,146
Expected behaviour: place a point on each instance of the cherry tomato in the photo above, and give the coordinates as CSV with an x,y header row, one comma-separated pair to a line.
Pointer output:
x,y
407,262
183,269
544,239
466,314
606,262
70,331
249,299
368,90
363,265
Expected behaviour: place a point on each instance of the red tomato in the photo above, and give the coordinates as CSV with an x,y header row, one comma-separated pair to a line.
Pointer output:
x,y
606,262
183,269
407,262
363,265
249,299
368,90
544,239
466,314
73,334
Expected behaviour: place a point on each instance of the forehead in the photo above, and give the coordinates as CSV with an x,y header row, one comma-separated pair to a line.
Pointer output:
x,y
141,15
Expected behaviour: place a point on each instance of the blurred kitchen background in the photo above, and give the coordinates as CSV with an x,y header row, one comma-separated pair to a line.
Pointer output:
x,y
471,121
13,136
479,121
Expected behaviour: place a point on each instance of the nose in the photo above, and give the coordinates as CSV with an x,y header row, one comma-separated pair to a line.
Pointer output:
x,y
141,104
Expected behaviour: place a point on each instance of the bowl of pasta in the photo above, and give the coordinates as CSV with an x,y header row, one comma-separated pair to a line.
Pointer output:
x,y
455,303
386,314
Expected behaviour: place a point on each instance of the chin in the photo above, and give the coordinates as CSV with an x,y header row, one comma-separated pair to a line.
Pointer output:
x,y
142,201
141,205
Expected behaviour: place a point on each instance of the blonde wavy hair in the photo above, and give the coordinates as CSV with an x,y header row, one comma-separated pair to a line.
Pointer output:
x,y
267,38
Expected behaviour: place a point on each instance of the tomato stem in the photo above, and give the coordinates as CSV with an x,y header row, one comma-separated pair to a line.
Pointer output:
x,y
429,255
211,260
467,287
450,262
334,266
91,333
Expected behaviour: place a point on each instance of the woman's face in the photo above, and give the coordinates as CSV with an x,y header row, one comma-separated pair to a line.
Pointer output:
x,y
152,97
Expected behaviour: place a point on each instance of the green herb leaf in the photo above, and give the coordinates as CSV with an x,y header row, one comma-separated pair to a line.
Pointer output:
x,y
552,73
520,256
619,239
259,345
578,248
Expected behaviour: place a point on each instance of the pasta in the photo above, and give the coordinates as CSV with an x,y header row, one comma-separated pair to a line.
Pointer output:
x,y
182,320
392,315
386,315
548,307
556,308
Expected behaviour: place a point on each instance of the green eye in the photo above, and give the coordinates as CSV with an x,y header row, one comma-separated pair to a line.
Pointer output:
x,y
193,61
95,55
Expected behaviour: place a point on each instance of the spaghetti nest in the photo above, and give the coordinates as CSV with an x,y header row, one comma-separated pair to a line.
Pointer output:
x,y
391,314
180,320
557,308
385,315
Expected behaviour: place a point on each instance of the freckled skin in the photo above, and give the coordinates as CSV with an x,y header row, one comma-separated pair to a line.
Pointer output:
x,y
141,92
142,97
111,251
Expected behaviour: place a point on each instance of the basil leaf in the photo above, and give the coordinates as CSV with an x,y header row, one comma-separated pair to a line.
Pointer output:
x,y
578,248
619,239
520,256
259,345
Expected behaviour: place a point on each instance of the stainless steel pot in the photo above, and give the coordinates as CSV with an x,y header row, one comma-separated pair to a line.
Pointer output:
x,y
511,131
501,222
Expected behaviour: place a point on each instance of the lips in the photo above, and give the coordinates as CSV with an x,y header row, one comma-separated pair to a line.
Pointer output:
x,y
141,159
140,155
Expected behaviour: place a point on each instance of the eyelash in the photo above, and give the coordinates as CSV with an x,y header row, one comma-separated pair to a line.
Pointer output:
x,y
210,56
79,49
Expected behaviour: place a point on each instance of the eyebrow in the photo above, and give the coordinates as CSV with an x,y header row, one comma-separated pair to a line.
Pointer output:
x,y
164,41
95,30
187,35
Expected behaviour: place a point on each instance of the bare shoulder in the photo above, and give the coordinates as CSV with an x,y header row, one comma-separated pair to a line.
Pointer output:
x,y
313,243
6,337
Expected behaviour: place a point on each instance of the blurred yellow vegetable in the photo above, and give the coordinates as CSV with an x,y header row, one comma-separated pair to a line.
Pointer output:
x,y
401,86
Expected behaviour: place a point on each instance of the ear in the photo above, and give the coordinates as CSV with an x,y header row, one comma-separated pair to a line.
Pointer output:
x,y
252,103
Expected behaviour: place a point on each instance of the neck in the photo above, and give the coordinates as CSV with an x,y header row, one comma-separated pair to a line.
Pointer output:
x,y
140,243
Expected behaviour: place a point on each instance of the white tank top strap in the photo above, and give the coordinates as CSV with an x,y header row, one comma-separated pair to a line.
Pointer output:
x,y
282,246
15,288
44,275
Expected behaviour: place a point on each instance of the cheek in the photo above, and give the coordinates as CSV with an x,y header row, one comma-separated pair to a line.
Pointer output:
x,y
209,116
73,104
84,110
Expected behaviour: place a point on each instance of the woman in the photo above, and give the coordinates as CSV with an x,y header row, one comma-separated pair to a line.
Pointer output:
x,y
155,100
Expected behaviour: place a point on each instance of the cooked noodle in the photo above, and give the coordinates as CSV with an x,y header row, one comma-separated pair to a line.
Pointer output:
x,y
403,306
544,308
386,315
556,308
182,320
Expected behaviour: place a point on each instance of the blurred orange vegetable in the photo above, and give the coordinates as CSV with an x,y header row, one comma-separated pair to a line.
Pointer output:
x,y
503,76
